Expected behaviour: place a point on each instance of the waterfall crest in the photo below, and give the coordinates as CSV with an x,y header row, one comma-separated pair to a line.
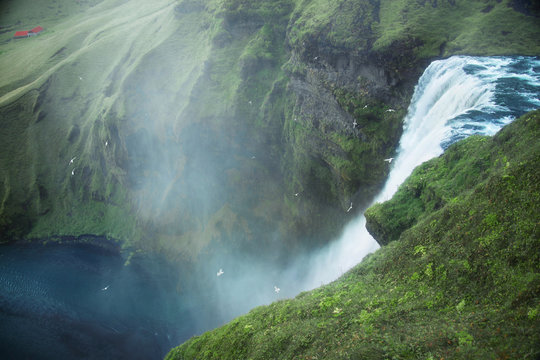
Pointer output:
x,y
455,98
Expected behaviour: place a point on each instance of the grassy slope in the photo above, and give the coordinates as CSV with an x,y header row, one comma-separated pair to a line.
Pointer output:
x,y
64,98
463,282
464,27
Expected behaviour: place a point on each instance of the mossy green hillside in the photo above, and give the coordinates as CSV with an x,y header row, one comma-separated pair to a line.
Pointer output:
x,y
67,103
463,282
439,182
461,27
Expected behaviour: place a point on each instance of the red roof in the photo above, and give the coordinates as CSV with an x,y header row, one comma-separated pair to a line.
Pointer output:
x,y
21,33
36,29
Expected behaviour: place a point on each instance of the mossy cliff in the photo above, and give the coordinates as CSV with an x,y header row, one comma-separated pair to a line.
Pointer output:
x,y
462,282
227,123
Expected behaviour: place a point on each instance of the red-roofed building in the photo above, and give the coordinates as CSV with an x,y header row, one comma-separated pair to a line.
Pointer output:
x,y
35,30
21,34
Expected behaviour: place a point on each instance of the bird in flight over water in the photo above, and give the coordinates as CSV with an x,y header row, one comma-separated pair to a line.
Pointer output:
x,y
389,160
220,272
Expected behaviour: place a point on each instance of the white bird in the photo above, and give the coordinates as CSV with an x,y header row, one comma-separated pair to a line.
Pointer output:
x,y
72,172
71,161
253,157
390,110
354,124
220,272
250,102
350,207
365,106
276,289
105,288
389,160
296,194
80,78
106,142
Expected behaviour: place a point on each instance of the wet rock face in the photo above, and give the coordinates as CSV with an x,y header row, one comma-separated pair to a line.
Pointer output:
x,y
340,98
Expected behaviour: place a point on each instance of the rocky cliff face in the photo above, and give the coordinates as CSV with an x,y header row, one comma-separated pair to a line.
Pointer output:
x,y
198,125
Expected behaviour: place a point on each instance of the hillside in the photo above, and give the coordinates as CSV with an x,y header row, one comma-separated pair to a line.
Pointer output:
x,y
461,282
194,125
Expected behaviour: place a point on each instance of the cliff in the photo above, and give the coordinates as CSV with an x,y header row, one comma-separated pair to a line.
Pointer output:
x,y
461,282
184,126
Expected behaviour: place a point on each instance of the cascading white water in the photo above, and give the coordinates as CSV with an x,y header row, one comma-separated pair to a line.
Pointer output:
x,y
454,98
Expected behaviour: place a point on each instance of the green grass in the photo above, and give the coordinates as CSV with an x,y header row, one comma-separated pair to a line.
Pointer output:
x,y
459,27
64,97
437,183
462,283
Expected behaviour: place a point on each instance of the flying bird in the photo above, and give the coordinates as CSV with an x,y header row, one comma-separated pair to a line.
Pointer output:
x,y
354,124
365,106
105,288
72,172
220,272
296,194
106,142
71,161
389,160
276,289
390,110
80,78
350,207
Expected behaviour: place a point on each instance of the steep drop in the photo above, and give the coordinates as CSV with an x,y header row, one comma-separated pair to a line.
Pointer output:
x,y
454,98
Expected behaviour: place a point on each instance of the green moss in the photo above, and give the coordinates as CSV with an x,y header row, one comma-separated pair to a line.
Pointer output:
x,y
462,27
439,182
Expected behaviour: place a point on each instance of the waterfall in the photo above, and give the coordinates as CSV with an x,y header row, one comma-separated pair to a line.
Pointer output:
x,y
454,98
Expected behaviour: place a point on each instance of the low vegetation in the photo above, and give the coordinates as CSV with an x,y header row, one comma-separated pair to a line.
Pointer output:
x,y
463,282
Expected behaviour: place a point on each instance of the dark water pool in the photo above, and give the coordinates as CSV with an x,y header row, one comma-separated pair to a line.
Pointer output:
x,y
80,301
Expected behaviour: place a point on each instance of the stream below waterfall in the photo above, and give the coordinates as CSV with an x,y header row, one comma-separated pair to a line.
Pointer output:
x,y
81,301
74,301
